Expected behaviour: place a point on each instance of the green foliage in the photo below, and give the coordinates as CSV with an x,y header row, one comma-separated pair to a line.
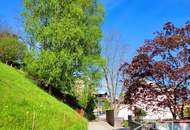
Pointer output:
x,y
90,76
139,112
89,79
56,24
68,35
82,92
24,105
106,105
126,124
11,50
187,111
50,68
91,68
91,105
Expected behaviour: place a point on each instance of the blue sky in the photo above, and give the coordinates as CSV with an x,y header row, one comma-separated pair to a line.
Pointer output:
x,y
135,20
10,11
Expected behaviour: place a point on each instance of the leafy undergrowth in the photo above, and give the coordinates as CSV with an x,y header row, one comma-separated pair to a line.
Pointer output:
x,y
24,106
126,124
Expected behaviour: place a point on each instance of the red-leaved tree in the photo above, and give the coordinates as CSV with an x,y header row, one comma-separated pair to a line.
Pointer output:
x,y
159,74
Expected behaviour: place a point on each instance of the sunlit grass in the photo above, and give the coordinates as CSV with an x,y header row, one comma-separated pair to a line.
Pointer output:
x,y
24,106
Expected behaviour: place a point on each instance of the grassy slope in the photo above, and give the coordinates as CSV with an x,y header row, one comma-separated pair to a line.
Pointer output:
x,y
23,105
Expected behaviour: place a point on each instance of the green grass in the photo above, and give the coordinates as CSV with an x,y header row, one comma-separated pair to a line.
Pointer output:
x,y
24,106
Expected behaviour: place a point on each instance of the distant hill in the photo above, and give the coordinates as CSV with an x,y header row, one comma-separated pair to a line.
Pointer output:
x,y
24,106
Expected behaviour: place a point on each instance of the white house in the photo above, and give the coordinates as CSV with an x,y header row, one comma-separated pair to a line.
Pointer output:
x,y
151,115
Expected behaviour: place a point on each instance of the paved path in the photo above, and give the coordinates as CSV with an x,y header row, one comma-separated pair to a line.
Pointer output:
x,y
101,125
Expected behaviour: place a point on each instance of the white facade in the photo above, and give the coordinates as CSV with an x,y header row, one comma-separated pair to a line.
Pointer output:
x,y
124,112
151,115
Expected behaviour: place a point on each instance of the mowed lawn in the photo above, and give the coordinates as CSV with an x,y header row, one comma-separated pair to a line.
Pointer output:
x,y
24,106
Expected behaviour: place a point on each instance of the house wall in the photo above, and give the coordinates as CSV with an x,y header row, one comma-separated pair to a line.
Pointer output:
x,y
124,112
151,115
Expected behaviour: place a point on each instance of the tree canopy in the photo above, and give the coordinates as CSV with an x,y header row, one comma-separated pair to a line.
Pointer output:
x,y
11,49
65,37
160,72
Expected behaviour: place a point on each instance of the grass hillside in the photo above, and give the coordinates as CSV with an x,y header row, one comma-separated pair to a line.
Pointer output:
x,y
24,106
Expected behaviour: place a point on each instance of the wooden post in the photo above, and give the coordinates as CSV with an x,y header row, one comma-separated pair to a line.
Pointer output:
x,y
33,121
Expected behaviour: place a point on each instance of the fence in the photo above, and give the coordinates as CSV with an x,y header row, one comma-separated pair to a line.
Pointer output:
x,y
134,125
181,125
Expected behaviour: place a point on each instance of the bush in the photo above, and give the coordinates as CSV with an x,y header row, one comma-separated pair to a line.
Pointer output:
x,y
187,112
126,123
139,113
89,114
106,105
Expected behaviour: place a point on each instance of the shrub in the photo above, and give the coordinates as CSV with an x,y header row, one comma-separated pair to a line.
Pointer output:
x,y
106,105
187,111
139,113
126,123
89,114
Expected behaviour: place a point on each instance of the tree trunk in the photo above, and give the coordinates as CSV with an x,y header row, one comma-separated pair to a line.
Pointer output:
x,y
173,111
174,115
107,81
182,111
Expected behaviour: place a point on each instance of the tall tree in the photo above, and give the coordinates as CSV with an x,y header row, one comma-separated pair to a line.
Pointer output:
x,y
113,51
65,33
160,73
